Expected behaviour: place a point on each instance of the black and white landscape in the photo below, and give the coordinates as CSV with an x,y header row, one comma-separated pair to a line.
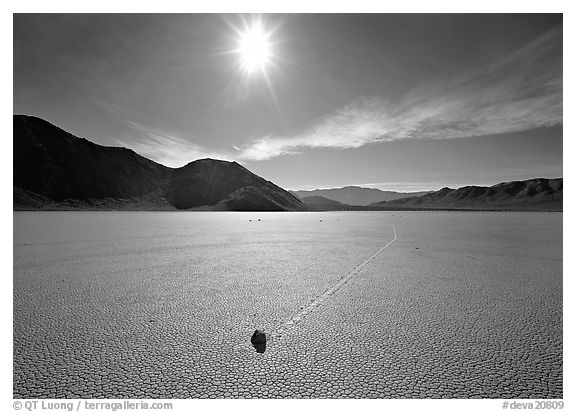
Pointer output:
x,y
54,170
287,206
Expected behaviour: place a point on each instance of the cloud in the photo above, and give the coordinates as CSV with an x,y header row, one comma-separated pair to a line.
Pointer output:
x,y
162,146
166,147
522,91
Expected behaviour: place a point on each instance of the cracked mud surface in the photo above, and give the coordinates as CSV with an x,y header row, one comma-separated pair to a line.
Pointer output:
x,y
163,305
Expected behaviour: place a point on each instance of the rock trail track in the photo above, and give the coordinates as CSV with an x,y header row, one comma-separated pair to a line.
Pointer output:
x,y
277,333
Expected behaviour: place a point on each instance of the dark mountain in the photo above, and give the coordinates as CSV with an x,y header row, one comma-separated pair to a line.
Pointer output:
x,y
55,164
354,195
54,169
226,186
533,194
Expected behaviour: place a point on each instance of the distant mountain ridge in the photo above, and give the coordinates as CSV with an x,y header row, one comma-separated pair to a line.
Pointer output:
x,y
355,195
54,169
322,203
532,194
319,200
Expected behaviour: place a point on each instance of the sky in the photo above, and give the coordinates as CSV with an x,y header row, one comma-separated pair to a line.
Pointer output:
x,y
401,102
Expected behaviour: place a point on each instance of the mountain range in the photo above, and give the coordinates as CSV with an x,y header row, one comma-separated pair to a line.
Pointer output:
x,y
55,170
533,194
322,203
355,195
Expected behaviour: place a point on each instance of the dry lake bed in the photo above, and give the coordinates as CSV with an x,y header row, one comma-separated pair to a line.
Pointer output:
x,y
358,305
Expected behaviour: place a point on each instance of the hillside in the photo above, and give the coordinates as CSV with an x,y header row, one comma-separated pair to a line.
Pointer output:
x,y
533,194
319,200
320,203
54,169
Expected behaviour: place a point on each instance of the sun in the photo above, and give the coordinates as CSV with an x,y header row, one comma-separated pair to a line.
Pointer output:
x,y
257,52
255,49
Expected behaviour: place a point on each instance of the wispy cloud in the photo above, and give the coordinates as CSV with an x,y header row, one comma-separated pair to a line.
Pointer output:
x,y
522,91
166,147
160,145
